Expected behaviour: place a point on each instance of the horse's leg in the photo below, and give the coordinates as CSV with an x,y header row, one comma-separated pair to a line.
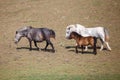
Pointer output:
x,y
30,43
35,43
82,48
102,42
94,47
86,48
108,46
76,48
49,42
46,45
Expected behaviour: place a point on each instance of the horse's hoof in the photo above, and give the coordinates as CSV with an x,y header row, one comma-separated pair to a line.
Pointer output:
x,y
77,52
109,50
38,49
30,49
95,53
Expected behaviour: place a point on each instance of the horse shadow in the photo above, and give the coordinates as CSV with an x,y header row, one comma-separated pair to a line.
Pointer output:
x,y
80,49
35,49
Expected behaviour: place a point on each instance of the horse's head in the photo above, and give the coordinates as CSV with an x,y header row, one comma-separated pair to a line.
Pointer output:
x,y
70,29
21,33
74,35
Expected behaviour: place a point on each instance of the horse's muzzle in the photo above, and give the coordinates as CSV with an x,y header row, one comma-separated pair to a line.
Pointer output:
x,y
15,41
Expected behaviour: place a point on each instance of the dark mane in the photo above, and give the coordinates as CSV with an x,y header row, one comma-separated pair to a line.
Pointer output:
x,y
76,34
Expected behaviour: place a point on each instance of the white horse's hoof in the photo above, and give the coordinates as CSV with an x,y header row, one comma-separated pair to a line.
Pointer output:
x,y
85,50
101,49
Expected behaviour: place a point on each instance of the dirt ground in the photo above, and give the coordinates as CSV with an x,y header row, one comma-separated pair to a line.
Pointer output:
x,y
17,60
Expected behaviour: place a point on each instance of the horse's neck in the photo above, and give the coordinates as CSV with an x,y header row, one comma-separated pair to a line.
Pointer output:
x,y
77,37
25,32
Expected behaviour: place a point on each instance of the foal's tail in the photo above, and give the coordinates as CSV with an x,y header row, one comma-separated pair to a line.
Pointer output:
x,y
52,34
106,34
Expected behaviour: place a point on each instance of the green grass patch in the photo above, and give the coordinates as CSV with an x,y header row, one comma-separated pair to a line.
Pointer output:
x,y
70,77
67,77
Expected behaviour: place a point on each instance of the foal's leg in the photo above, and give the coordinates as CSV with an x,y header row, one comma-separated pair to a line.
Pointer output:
x,y
108,46
35,43
76,48
82,49
94,47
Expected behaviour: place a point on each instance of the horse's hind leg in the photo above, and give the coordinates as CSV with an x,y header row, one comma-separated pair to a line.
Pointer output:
x,y
108,46
35,43
49,42
46,45
102,42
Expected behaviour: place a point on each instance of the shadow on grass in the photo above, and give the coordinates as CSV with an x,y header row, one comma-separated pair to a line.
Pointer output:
x,y
35,49
80,49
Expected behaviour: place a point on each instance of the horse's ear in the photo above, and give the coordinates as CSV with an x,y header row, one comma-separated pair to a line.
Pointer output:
x,y
69,28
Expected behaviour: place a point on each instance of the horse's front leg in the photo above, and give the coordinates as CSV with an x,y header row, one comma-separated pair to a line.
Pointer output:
x,y
82,48
30,43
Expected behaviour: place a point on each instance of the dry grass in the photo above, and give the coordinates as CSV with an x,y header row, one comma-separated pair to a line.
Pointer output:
x,y
23,64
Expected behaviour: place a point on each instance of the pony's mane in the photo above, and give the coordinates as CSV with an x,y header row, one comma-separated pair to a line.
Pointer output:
x,y
75,33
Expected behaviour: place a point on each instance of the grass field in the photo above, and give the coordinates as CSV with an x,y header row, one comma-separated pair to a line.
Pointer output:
x,y
64,64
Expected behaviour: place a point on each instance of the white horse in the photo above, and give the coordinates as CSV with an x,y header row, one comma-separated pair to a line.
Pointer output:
x,y
98,32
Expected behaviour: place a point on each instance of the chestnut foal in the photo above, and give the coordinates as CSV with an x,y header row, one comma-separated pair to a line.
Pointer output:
x,y
84,41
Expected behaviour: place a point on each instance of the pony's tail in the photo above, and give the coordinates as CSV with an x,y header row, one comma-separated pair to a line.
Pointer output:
x,y
52,34
106,34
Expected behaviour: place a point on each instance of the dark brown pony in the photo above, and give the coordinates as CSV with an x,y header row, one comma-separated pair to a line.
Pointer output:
x,y
84,41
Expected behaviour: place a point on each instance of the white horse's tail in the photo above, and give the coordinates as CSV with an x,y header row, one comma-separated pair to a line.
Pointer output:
x,y
106,34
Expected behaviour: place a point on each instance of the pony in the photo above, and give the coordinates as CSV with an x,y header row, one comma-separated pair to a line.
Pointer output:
x,y
84,41
98,32
35,35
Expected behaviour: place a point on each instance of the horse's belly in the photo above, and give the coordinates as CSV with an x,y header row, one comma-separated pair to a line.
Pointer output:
x,y
39,39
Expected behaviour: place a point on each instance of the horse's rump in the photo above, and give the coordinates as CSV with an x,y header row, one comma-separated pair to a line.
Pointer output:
x,y
52,33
